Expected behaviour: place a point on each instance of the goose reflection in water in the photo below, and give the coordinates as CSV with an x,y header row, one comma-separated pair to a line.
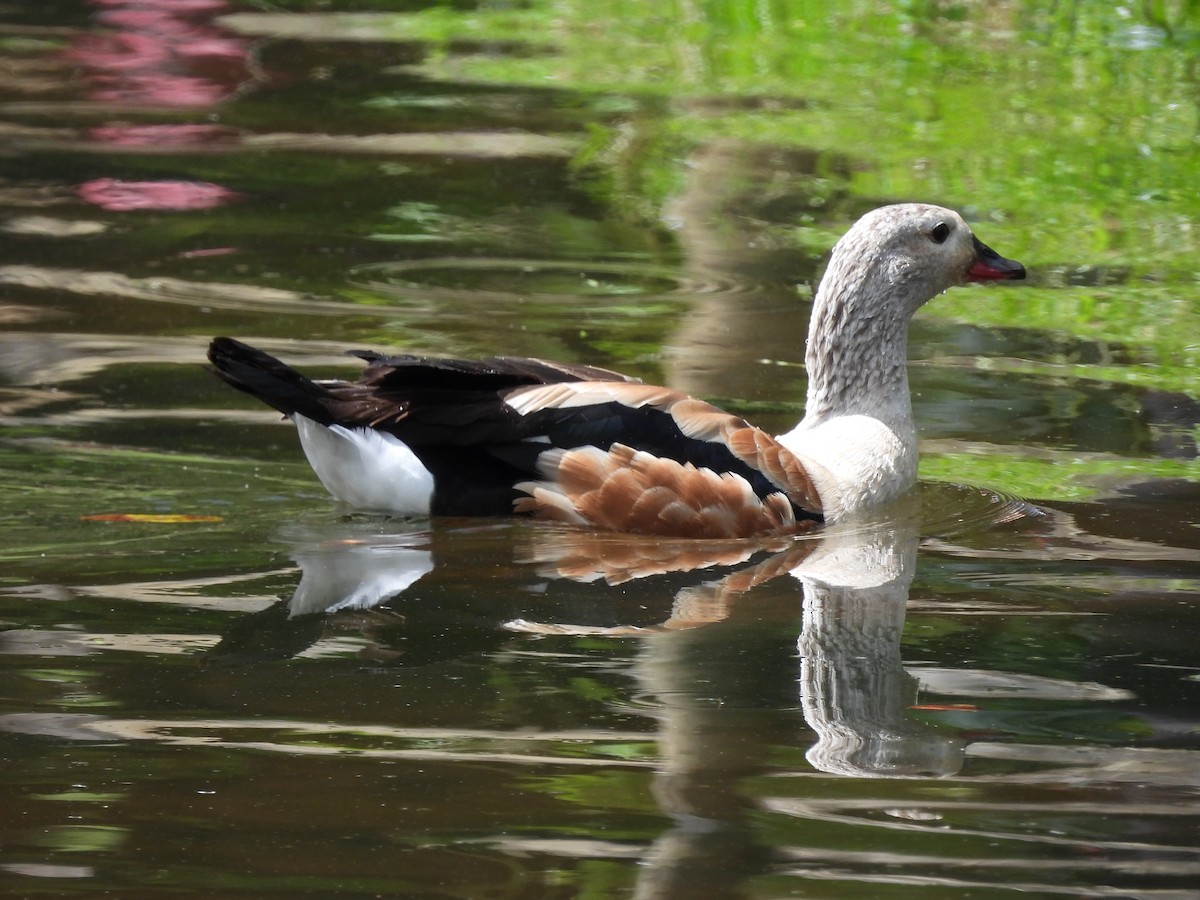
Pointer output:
x,y
854,692
675,599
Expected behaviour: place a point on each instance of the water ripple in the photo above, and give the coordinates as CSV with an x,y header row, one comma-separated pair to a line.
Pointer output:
x,y
499,280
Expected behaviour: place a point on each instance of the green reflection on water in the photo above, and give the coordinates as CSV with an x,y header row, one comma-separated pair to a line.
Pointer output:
x,y
53,486
83,838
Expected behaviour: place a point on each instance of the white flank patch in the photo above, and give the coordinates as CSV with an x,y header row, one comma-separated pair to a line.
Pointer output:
x,y
367,469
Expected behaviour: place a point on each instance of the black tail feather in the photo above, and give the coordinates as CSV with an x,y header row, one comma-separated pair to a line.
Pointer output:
x,y
263,376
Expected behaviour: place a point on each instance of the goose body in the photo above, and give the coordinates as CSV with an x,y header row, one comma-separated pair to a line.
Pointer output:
x,y
587,446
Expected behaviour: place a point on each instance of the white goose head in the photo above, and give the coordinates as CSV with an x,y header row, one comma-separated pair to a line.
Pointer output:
x,y
858,437
902,256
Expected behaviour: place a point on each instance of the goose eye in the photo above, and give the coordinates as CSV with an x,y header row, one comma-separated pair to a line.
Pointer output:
x,y
940,232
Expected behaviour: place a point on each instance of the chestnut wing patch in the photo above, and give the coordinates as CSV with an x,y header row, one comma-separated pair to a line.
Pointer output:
x,y
634,491
638,458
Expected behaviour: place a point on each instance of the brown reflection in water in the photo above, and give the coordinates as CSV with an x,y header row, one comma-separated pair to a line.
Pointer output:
x,y
735,199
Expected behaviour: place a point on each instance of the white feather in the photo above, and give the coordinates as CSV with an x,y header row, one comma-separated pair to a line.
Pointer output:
x,y
367,469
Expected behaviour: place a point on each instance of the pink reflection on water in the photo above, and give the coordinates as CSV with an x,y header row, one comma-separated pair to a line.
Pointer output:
x,y
162,53
125,196
159,53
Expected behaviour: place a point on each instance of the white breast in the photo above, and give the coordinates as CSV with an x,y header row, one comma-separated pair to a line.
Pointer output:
x,y
856,462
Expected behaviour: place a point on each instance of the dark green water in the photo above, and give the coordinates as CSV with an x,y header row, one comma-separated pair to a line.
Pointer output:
x,y
215,684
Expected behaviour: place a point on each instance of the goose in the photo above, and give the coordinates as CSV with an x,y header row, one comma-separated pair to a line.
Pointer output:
x,y
585,446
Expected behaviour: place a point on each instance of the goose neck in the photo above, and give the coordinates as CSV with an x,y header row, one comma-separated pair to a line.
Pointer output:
x,y
857,361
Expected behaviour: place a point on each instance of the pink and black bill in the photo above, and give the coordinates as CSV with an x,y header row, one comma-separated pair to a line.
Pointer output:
x,y
991,266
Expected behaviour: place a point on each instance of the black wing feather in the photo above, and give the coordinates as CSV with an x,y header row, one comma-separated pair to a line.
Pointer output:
x,y
263,376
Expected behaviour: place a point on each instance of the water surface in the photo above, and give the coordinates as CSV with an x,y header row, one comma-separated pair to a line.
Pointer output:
x,y
216,682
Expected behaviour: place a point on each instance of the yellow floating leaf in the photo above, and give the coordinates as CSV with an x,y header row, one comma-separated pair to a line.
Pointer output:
x,y
149,518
